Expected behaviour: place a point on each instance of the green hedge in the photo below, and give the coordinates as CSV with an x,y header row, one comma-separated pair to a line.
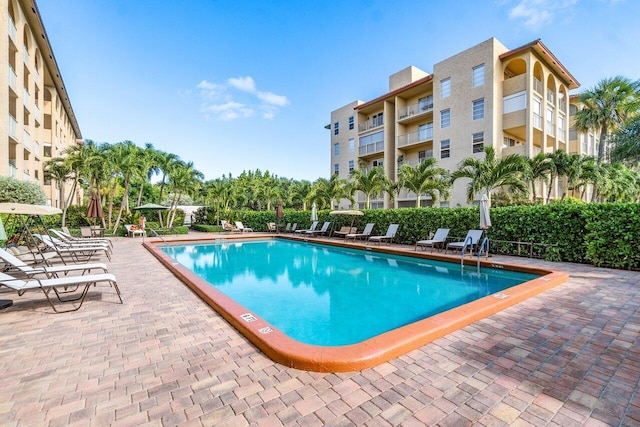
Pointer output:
x,y
601,234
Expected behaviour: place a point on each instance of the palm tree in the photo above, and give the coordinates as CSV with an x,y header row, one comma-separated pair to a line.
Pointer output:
x,y
127,162
59,170
425,178
371,182
183,179
537,170
557,169
148,167
299,193
491,173
325,191
626,142
606,107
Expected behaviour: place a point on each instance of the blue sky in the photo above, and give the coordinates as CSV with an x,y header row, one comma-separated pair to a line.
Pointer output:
x,y
242,85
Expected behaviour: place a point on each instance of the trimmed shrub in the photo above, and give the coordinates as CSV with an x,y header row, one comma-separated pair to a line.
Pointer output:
x,y
13,190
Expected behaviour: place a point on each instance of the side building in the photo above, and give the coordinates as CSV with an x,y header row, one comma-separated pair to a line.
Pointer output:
x,y
39,122
516,101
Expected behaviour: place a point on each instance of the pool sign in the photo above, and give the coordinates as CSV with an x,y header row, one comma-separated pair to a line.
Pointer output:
x,y
248,317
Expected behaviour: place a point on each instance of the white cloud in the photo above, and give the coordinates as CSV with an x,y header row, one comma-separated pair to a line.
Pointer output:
x,y
273,99
245,84
538,13
238,98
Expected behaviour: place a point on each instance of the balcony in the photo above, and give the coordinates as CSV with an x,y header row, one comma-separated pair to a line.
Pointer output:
x,y
416,162
12,29
537,120
13,79
415,138
551,97
520,149
415,110
560,134
25,176
26,99
36,112
370,124
373,148
36,149
537,86
26,140
13,128
13,170
26,57
551,129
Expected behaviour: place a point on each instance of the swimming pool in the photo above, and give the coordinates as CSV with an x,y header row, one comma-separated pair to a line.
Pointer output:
x,y
332,296
334,307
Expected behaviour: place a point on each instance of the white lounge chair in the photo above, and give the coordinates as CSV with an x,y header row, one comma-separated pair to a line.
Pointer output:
x,y
67,238
437,240
60,286
323,229
366,233
242,228
470,241
314,225
133,230
77,253
49,271
388,237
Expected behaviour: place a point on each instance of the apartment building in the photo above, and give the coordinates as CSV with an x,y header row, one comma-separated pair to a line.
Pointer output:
x,y
38,120
514,100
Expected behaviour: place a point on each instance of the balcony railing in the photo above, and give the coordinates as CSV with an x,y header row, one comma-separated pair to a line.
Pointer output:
x,y
415,137
537,120
36,149
13,127
537,86
26,101
551,97
414,109
36,112
551,129
26,57
374,147
370,124
13,79
560,134
12,29
415,162
25,176
13,170
26,139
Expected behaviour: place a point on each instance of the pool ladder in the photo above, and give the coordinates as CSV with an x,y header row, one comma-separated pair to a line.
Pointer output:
x,y
484,246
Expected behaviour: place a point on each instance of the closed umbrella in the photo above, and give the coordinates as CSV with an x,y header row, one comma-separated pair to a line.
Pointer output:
x,y
95,207
279,214
314,212
485,218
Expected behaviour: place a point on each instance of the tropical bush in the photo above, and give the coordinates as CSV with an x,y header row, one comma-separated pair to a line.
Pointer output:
x,y
15,191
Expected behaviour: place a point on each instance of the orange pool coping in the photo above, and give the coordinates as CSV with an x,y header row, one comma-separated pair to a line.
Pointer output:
x,y
374,351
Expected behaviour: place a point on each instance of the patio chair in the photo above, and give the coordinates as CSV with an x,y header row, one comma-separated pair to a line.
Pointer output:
x,y
77,244
345,230
226,226
471,241
133,230
287,228
50,271
323,230
271,226
437,240
242,228
65,237
77,253
388,237
294,226
366,233
314,225
60,286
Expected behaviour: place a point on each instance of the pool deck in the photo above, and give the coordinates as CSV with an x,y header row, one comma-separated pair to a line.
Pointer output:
x,y
569,356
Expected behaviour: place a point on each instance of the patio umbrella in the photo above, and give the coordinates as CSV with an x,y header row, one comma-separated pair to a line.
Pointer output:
x,y
150,207
95,208
314,212
353,213
485,218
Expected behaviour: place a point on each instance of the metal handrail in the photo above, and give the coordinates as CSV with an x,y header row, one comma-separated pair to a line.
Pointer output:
x,y
464,248
485,243
154,232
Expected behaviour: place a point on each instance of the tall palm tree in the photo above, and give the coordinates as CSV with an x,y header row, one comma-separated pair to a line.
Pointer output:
x,y
148,167
557,169
371,182
425,178
60,171
491,173
127,162
537,170
626,142
183,179
606,107
299,194
325,191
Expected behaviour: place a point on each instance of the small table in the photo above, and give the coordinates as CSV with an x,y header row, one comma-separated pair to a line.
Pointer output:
x,y
97,231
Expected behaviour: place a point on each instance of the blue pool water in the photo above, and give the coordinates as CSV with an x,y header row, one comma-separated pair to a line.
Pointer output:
x,y
331,296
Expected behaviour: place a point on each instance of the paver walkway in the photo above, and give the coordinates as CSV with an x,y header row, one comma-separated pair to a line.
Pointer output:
x,y
568,357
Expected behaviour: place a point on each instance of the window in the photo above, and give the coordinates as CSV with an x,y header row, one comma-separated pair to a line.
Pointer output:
x,y
445,118
550,118
377,163
561,124
336,149
583,144
478,109
351,165
351,123
352,145
336,128
478,142
422,155
478,75
425,131
445,88
425,104
336,169
377,120
445,149
515,102
46,150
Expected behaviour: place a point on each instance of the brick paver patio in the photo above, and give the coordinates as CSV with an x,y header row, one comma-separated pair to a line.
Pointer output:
x,y
567,357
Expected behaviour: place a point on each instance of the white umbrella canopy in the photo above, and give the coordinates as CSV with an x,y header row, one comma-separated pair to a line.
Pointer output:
x,y
485,217
352,213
